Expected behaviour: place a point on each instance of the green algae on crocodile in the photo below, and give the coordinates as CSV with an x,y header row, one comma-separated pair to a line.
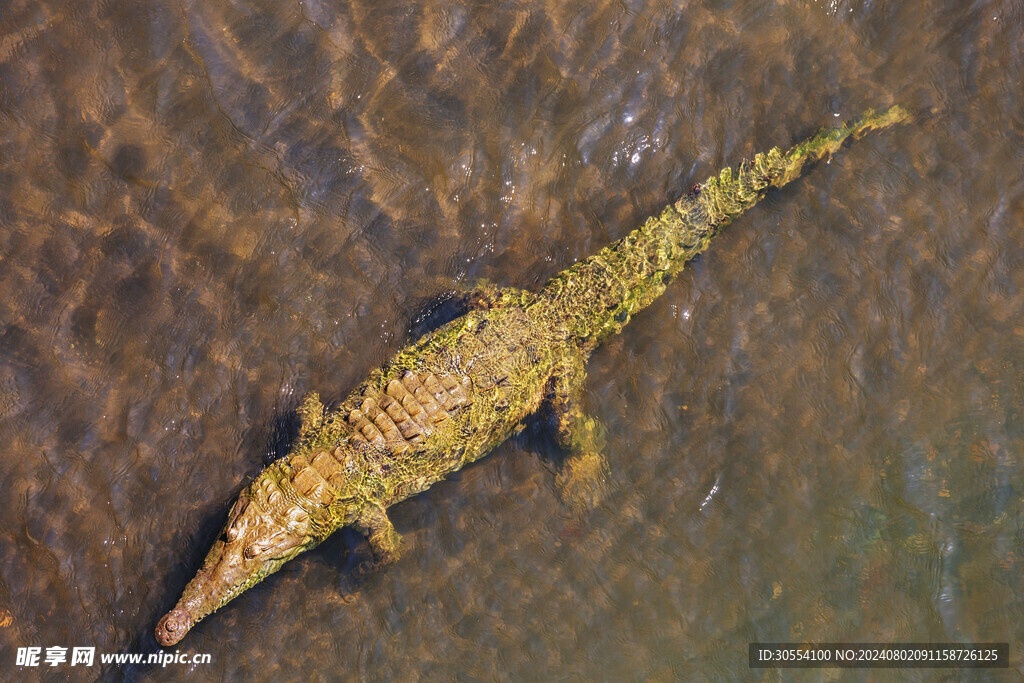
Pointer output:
x,y
453,395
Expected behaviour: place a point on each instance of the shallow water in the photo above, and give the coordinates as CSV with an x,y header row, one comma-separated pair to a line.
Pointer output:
x,y
209,209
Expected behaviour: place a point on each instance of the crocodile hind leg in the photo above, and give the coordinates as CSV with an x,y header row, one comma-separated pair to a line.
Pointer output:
x,y
583,478
380,532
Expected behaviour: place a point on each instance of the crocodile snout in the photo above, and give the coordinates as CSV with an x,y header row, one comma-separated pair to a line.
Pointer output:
x,y
173,627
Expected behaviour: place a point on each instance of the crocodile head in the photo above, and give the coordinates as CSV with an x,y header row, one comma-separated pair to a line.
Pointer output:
x,y
264,530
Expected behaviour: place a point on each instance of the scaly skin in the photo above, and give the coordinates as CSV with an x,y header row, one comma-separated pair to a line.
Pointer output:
x,y
453,395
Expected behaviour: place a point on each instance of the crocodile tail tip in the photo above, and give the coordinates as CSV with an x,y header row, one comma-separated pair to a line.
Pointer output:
x,y
828,140
871,120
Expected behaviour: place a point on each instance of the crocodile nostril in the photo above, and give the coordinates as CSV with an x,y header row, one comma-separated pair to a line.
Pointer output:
x,y
173,627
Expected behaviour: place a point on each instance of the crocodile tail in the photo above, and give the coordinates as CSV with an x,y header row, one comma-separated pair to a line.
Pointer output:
x,y
596,297
828,140
727,195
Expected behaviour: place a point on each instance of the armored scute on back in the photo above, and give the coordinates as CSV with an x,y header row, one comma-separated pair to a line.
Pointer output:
x,y
453,395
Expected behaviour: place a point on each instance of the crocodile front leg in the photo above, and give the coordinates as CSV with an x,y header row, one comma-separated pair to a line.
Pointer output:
x,y
380,532
583,478
311,415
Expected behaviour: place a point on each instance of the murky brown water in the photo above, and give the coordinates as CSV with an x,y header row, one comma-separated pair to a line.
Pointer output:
x,y
209,209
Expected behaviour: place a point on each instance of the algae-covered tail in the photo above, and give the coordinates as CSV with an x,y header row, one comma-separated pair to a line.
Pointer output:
x,y
456,393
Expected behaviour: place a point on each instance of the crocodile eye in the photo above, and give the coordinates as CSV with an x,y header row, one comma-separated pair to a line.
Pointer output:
x,y
231,535
252,551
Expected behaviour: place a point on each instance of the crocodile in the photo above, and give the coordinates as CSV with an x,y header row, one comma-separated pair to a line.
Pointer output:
x,y
453,395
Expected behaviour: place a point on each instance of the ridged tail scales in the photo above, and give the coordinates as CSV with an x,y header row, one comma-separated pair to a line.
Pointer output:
x,y
597,296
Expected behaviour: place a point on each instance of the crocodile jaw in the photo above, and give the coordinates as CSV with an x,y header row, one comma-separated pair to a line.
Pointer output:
x,y
225,574
263,531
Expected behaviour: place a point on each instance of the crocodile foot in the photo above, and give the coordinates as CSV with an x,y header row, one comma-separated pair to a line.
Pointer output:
x,y
583,482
